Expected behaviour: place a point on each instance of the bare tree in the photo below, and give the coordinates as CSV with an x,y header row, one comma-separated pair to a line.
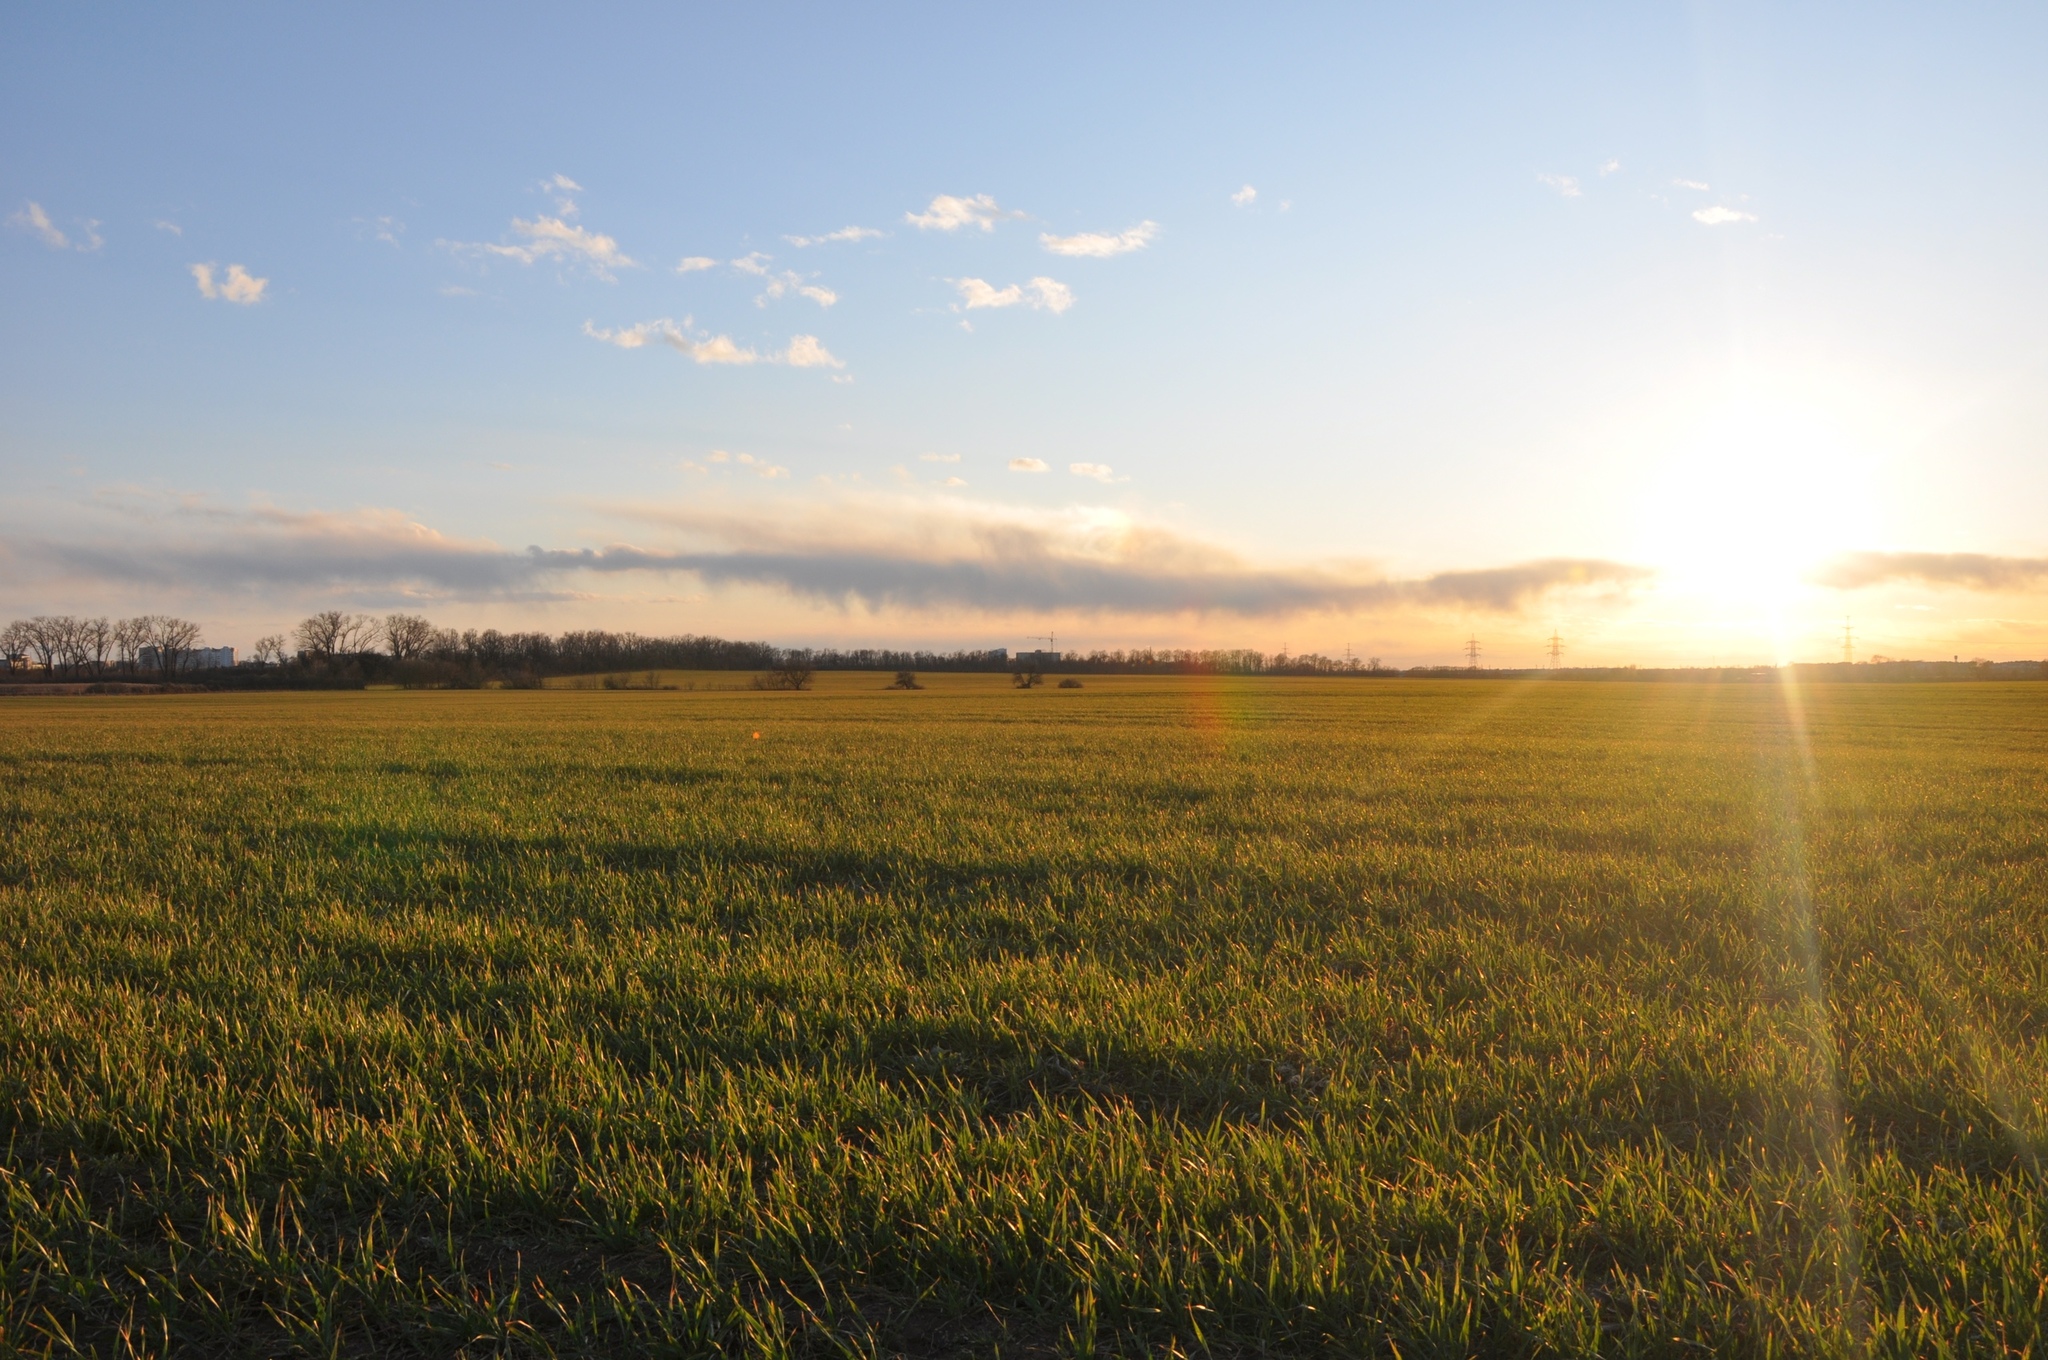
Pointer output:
x,y
408,636
270,650
14,641
63,631
173,640
44,638
332,633
95,643
129,637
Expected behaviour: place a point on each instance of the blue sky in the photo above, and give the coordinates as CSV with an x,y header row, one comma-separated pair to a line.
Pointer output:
x,y
1686,330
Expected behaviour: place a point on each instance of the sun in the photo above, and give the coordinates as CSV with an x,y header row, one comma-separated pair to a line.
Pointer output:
x,y
1750,500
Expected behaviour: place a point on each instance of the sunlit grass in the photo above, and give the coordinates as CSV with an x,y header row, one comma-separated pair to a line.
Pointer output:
x,y
1161,1015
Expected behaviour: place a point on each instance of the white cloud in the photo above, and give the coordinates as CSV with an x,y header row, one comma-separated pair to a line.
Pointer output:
x,y
1101,244
1610,166
709,349
552,238
1051,294
804,351
1101,472
386,229
1245,197
939,457
718,456
1701,185
761,466
1567,186
93,240
1029,465
789,281
690,264
1041,294
843,234
755,263
561,186
948,213
954,481
36,222
981,293
1718,215
172,227
238,285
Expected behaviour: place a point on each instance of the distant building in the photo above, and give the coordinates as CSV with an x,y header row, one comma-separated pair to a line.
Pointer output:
x,y
197,659
1037,658
17,661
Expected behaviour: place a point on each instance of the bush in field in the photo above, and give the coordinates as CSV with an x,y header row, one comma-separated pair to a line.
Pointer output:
x,y
789,674
905,680
1027,678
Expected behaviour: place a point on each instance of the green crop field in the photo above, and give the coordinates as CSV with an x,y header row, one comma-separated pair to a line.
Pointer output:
x,y
1164,1017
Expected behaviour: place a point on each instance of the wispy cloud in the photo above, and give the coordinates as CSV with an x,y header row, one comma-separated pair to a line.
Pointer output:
x,y
36,222
1101,472
1245,197
1701,185
804,351
559,187
760,467
1029,465
948,213
554,238
1041,294
1567,186
1610,166
386,229
1101,245
1720,216
782,283
939,457
789,281
691,264
163,224
843,234
238,285
1961,571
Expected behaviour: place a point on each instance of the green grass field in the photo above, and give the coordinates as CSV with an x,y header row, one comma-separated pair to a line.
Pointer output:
x,y
1157,1017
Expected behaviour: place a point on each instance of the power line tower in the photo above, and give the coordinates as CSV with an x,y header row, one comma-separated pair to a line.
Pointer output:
x,y
1556,648
1848,642
1472,652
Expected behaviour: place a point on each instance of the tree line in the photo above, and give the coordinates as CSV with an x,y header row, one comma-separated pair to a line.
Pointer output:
x,y
64,644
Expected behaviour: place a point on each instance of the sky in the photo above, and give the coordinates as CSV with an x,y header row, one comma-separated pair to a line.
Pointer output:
x,y
1692,334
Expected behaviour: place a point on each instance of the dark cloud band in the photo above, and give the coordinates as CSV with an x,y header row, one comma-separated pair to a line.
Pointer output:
x,y
1965,571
